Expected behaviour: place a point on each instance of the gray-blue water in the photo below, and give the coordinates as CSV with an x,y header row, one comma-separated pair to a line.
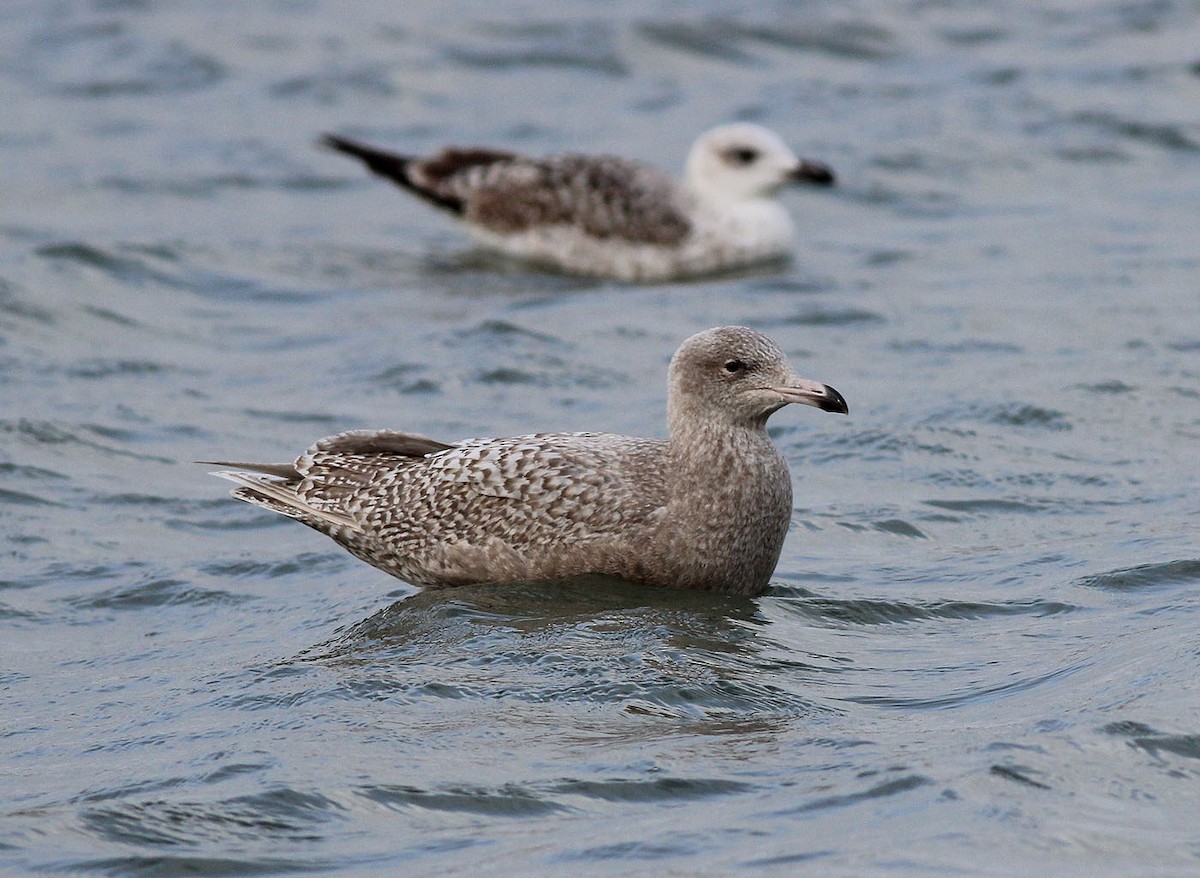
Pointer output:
x,y
981,651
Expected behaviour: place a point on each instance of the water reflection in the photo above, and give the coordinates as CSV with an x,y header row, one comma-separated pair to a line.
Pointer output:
x,y
639,651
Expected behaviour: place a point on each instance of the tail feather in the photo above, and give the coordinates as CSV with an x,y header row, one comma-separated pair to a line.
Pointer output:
x,y
394,167
280,496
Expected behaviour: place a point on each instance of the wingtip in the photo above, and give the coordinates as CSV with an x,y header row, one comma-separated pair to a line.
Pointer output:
x,y
262,489
240,478
277,470
336,143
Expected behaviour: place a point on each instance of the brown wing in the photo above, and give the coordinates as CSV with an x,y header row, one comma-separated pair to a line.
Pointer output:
x,y
601,196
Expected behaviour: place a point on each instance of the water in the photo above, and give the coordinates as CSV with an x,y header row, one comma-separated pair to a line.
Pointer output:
x,y
979,655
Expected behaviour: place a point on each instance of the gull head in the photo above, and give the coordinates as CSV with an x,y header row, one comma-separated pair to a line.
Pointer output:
x,y
743,161
737,377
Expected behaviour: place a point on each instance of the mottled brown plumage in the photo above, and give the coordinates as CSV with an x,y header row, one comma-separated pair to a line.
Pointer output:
x,y
707,508
603,196
609,216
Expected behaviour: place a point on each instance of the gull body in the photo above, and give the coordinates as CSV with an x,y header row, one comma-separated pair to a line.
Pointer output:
x,y
613,217
707,508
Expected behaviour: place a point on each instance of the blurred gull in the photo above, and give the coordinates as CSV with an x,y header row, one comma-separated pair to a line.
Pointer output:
x,y
612,217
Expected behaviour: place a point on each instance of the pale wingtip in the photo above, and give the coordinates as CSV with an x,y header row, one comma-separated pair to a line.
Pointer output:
x,y
271,490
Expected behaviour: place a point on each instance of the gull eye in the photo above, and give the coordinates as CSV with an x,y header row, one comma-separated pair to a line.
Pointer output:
x,y
734,366
743,156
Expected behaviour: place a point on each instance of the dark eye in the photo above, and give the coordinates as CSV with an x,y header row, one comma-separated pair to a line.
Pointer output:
x,y
734,366
743,156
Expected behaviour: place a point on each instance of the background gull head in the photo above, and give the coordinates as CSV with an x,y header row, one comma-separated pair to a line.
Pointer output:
x,y
742,161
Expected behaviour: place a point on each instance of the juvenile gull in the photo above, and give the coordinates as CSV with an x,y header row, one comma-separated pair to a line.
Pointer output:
x,y
611,217
706,509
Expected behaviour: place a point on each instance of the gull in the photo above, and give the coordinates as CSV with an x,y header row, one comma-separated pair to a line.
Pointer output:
x,y
707,508
606,216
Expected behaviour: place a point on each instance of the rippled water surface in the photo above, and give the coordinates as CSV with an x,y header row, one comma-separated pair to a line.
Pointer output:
x,y
980,654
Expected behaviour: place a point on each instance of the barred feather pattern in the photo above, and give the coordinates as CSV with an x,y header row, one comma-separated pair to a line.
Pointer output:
x,y
523,508
605,197
708,508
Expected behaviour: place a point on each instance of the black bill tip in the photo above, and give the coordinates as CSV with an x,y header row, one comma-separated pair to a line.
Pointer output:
x,y
833,402
815,173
